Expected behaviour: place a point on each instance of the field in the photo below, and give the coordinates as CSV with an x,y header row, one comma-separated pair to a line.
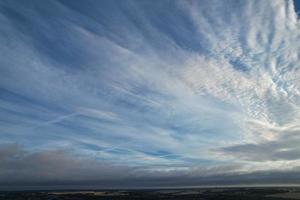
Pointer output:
x,y
166,194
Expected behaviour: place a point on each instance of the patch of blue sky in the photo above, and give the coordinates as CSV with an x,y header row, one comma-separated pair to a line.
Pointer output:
x,y
297,6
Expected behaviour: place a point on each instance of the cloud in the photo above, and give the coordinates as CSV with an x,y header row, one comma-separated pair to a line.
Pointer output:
x,y
194,86
62,169
19,165
283,148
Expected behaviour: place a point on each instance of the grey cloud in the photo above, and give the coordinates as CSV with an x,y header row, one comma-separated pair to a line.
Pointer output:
x,y
286,147
20,168
18,165
60,169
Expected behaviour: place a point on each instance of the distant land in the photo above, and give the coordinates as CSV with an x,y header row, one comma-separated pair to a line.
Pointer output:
x,y
230,193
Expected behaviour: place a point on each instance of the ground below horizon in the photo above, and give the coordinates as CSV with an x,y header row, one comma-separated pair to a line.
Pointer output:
x,y
165,194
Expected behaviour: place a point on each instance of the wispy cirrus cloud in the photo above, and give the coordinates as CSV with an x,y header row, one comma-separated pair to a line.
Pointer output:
x,y
161,86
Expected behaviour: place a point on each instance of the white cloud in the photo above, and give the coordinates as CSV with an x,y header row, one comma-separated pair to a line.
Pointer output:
x,y
137,86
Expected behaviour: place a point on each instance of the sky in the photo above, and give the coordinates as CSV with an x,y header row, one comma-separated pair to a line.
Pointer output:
x,y
138,93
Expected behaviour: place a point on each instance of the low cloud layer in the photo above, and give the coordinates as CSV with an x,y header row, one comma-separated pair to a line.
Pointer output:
x,y
149,93
286,147
61,169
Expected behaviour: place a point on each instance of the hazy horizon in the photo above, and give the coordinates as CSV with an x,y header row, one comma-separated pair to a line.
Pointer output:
x,y
140,94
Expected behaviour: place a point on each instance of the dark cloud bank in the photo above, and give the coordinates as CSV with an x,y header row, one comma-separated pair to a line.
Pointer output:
x,y
286,148
60,169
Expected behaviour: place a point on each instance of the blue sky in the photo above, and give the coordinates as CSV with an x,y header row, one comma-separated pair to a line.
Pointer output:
x,y
124,91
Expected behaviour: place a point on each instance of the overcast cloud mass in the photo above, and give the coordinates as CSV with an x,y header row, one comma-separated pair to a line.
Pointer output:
x,y
149,93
